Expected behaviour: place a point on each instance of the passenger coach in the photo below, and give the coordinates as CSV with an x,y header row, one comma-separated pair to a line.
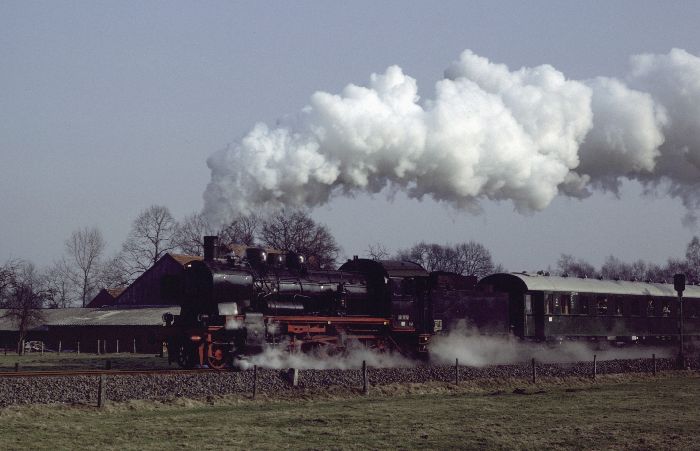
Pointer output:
x,y
544,307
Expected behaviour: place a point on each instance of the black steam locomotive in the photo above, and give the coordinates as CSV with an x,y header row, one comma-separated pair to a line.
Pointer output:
x,y
234,305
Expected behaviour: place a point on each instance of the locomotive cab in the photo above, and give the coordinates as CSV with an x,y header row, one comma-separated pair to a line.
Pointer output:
x,y
400,287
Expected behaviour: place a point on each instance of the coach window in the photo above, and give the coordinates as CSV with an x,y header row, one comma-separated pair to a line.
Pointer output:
x,y
548,303
557,304
575,304
602,305
665,309
584,299
636,305
528,304
619,304
650,307
566,304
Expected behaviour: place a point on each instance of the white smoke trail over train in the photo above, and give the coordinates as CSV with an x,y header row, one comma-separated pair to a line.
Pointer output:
x,y
522,135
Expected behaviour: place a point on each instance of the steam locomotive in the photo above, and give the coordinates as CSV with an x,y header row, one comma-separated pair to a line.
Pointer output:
x,y
235,305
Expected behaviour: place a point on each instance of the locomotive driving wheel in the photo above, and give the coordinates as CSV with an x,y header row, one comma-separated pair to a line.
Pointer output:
x,y
217,356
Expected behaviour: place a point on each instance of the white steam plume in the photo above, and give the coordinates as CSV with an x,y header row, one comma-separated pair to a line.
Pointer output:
x,y
473,349
352,358
489,133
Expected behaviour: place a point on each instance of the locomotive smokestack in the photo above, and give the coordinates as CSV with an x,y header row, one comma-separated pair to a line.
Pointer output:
x,y
211,248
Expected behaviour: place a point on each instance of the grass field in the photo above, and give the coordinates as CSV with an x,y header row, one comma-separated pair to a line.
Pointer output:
x,y
638,412
72,361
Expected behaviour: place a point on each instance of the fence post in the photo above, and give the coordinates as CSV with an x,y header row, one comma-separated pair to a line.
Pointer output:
x,y
456,371
59,346
653,361
534,371
595,366
16,367
42,348
255,381
98,346
117,346
78,347
134,345
365,380
294,376
102,391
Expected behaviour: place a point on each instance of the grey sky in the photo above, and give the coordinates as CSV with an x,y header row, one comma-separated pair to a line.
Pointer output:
x,y
109,107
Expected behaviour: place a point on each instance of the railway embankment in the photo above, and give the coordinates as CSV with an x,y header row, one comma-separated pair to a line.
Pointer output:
x,y
83,389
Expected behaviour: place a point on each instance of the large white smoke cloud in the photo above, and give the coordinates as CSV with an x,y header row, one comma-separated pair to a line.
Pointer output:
x,y
490,133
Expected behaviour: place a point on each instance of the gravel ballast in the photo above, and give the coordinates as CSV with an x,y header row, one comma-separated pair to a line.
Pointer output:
x,y
84,389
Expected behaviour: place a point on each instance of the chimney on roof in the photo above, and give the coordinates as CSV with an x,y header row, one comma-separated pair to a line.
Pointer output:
x,y
211,247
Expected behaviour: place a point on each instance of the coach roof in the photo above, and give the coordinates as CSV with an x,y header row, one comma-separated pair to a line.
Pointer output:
x,y
538,282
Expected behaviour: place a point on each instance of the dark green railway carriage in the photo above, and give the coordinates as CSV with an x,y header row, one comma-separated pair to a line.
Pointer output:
x,y
546,307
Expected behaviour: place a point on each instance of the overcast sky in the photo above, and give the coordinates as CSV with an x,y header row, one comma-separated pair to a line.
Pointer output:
x,y
109,107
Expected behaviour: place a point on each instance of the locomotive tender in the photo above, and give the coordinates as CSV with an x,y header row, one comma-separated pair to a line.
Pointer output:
x,y
235,305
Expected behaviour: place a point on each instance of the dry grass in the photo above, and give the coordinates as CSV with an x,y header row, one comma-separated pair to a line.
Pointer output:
x,y
616,412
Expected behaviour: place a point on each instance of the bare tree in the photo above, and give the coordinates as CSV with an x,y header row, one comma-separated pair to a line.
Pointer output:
x,y
152,236
433,257
114,273
84,248
299,233
471,258
377,251
22,297
58,286
189,234
242,230
571,266
692,257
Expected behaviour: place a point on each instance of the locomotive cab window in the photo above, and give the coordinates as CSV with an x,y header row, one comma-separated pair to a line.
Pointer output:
x,y
402,287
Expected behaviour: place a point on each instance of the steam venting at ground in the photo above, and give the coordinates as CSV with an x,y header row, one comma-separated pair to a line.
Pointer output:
x,y
490,132
279,358
465,344
475,349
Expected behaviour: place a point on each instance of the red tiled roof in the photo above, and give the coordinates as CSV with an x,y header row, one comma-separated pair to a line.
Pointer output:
x,y
185,259
114,292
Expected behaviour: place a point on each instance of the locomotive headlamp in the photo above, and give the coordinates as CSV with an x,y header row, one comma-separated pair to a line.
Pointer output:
x,y
196,338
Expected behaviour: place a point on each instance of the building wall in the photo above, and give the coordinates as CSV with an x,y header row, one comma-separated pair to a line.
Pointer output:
x,y
160,285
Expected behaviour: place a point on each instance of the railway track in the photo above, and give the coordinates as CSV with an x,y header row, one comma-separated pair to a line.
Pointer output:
x,y
97,372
